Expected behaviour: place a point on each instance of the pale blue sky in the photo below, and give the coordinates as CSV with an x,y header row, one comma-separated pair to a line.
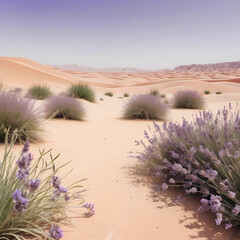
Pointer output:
x,y
148,34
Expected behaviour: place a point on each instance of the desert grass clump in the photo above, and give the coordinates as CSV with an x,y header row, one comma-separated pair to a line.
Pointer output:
x,y
20,114
154,92
207,92
33,202
203,158
188,99
63,107
110,94
218,92
81,91
145,107
39,92
162,95
126,95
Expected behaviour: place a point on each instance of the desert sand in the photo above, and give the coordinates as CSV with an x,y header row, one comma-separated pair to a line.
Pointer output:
x,y
128,207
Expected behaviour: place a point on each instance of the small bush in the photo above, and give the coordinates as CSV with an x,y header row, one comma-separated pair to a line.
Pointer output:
x,y
120,97
188,99
218,92
39,92
154,92
33,202
20,114
145,107
207,92
81,91
163,95
63,107
101,99
126,95
110,94
202,157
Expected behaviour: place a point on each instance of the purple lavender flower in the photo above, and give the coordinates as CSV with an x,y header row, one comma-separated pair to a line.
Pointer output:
x,y
236,210
205,205
218,220
164,186
20,201
67,197
191,190
215,203
228,225
24,161
56,232
62,189
56,182
211,174
175,155
193,150
231,194
171,180
34,184
91,208
26,146
22,173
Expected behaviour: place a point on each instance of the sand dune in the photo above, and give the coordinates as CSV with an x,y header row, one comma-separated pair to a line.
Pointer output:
x,y
126,206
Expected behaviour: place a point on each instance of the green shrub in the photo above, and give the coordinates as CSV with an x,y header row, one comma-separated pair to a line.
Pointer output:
x,y
83,91
20,114
163,95
126,95
207,92
188,99
218,92
110,94
154,92
39,92
33,203
101,99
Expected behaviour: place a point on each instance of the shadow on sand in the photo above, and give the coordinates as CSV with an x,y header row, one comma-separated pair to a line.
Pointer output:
x,y
202,223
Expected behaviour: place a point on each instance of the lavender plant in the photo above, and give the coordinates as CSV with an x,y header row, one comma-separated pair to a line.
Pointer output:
x,y
145,107
188,99
33,202
39,92
17,113
63,107
202,157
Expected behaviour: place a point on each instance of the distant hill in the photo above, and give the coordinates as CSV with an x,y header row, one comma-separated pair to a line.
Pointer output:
x,y
74,67
215,66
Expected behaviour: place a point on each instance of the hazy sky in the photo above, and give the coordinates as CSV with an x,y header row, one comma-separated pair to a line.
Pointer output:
x,y
149,34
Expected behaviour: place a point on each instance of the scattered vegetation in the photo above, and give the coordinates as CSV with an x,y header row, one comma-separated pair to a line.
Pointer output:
x,y
188,99
186,156
39,92
63,107
120,97
163,95
34,204
145,107
207,92
154,92
81,91
126,95
20,114
110,94
218,92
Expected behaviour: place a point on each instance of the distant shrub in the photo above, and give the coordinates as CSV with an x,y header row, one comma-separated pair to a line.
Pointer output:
x,y
145,107
207,92
154,92
39,92
110,94
63,107
101,99
81,91
218,92
188,99
163,95
120,97
33,202
126,95
202,157
20,114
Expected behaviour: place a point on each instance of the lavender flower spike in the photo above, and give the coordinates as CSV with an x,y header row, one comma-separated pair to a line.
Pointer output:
x,y
56,232
20,201
34,184
56,181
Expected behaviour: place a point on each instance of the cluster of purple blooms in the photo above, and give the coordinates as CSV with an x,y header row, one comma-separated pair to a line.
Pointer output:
x,y
56,232
59,189
91,210
201,156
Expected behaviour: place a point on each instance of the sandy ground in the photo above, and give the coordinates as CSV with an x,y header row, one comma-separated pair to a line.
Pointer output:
x,y
127,206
